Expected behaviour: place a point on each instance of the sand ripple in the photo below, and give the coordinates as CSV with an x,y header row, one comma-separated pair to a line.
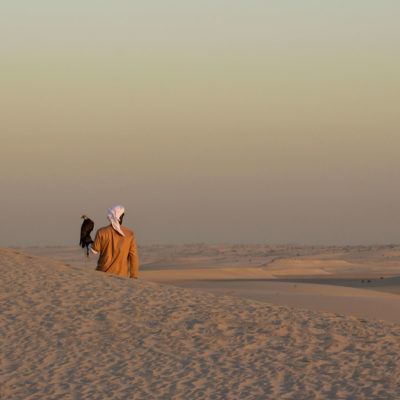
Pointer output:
x,y
69,333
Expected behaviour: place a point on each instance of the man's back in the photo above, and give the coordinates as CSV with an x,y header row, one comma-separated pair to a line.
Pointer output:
x,y
115,251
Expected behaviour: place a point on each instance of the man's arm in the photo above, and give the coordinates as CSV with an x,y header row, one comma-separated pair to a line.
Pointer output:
x,y
133,259
95,246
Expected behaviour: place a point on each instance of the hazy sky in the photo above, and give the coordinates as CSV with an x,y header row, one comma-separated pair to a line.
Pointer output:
x,y
210,121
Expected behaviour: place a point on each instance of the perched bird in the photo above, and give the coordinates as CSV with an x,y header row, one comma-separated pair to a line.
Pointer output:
x,y
86,229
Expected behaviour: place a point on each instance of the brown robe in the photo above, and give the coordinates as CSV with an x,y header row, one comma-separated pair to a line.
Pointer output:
x,y
115,252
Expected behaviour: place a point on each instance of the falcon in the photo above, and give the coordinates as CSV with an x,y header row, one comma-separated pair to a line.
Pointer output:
x,y
86,229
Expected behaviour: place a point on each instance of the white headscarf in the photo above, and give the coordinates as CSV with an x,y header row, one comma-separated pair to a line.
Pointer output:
x,y
113,215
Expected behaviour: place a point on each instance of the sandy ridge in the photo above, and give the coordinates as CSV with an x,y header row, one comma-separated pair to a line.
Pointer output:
x,y
66,332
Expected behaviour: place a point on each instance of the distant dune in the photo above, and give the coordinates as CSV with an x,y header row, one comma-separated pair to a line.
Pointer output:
x,y
67,331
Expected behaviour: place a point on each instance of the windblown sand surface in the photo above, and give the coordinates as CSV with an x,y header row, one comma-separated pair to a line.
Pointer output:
x,y
68,332
362,281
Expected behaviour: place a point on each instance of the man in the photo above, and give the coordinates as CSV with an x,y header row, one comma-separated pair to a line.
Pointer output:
x,y
117,246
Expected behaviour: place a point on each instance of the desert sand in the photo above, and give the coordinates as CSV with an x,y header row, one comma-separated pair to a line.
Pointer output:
x,y
202,322
361,281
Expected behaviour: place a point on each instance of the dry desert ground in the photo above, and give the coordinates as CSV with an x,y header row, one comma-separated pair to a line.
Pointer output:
x,y
202,322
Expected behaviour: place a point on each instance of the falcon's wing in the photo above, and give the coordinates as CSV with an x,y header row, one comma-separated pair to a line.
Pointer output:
x,y
86,229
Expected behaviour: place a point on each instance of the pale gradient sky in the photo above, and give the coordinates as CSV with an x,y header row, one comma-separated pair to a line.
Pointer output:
x,y
210,121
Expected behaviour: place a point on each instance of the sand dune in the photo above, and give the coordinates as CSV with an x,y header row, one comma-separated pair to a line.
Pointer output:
x,y
72,333
319,278
363,303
